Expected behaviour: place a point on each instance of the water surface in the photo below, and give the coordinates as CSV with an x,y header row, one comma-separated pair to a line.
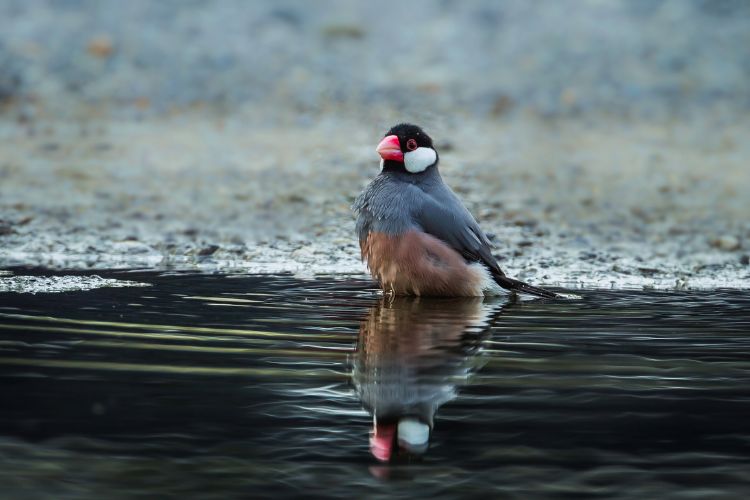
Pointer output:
x,y
235,385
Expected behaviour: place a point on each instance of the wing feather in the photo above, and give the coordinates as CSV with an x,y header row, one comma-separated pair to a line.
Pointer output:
x,y
452,223
448,219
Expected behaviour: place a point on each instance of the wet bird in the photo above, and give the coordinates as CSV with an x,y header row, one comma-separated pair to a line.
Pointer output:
x,y
415,234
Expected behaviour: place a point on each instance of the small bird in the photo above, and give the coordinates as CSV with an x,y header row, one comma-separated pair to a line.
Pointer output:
x,y
415,234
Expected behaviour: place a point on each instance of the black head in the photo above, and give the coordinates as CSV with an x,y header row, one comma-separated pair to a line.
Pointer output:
x,y
407,132
407,147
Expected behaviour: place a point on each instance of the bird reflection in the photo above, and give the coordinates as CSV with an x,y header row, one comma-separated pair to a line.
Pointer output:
x,y
412,354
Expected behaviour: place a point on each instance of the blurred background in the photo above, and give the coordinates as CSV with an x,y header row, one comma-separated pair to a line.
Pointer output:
x,y
602,137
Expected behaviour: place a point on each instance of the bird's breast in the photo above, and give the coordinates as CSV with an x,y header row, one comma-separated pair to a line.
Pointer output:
x,y
416,263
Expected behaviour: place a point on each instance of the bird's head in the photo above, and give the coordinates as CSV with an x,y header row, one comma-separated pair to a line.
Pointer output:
x,y
407,147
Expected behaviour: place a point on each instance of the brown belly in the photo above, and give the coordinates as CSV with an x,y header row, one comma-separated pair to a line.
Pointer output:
x,y
416,263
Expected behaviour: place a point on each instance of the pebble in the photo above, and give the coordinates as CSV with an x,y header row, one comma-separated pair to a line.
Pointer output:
x,y
208,250
727,243
100,46
131,247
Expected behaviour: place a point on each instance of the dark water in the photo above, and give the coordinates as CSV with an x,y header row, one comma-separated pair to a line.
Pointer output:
x,y
244,386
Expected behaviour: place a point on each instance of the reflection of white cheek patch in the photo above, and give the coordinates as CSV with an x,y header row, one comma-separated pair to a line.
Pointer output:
x,y
413,435
419,159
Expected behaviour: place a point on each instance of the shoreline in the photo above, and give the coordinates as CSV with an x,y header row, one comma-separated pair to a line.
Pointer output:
x,y
576,201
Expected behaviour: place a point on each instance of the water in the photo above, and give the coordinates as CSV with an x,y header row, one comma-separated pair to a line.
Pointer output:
x,y
260,386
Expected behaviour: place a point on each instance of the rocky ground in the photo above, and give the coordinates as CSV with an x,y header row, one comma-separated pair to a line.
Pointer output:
x,y
597,156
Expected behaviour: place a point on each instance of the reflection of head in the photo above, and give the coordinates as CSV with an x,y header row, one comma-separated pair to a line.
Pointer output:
x,y
411,355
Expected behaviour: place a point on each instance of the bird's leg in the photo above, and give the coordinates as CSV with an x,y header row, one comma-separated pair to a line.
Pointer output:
x,y
390,292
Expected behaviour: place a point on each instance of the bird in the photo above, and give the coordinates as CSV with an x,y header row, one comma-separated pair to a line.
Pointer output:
x,y
415,234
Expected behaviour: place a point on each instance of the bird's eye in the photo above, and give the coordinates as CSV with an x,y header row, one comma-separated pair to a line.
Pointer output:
x,y
411,144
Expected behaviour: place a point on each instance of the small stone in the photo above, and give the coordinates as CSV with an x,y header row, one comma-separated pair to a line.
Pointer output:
x,y
745,260
727,243
349,31
648,271
132,247
209,250
100,46
524,222
568,97
142,103
501,105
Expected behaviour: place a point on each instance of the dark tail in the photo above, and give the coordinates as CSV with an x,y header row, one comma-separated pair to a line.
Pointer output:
x,y
521,287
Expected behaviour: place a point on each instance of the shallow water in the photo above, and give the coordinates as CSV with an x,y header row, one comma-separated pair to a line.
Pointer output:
x,y
235,385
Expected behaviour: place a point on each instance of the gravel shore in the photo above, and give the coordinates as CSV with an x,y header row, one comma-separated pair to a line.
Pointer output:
x,y
567,202
616,157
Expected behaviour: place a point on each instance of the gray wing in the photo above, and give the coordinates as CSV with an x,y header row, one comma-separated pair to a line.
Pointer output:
x,y
444,216
437,211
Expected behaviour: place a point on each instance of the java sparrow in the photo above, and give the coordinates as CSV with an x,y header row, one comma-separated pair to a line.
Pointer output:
x,y
415,234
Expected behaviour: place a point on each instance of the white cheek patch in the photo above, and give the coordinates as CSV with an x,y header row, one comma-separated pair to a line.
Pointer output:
x,y
418,160
382,162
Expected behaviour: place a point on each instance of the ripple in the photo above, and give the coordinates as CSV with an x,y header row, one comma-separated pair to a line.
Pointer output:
x,y
227,383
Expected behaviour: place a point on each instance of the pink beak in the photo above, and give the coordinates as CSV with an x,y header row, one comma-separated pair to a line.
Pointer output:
x,y
381,440
390,149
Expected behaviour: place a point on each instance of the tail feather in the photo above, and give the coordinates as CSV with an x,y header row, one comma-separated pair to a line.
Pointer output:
x,y
521,287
